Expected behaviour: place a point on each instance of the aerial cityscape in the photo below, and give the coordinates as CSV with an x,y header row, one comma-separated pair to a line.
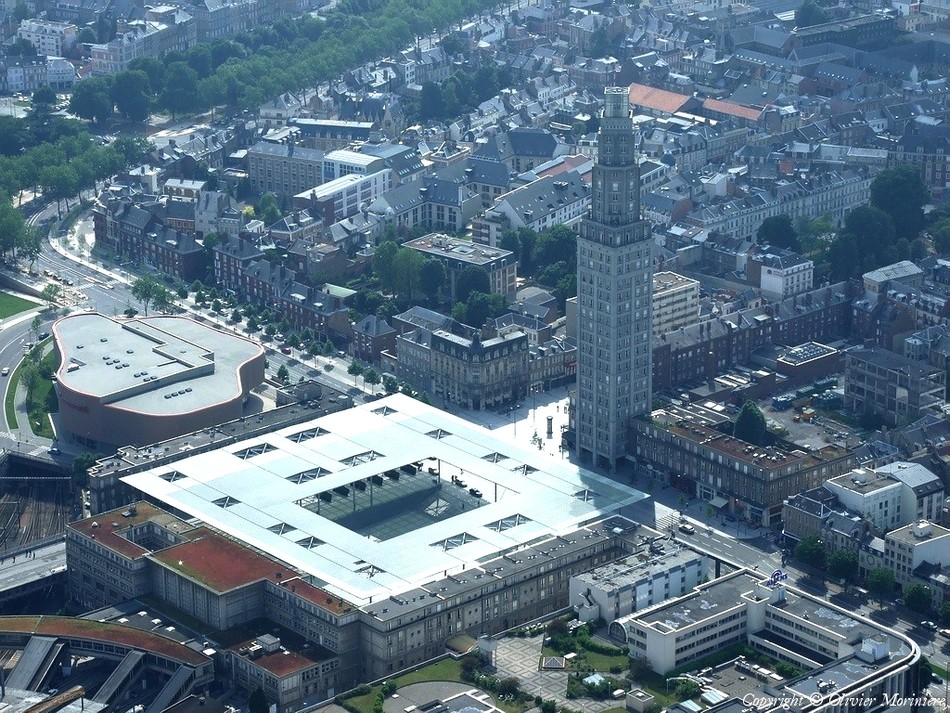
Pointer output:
x,y
439,356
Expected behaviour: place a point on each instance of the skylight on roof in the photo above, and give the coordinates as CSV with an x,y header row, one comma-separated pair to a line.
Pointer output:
x,y
450,543
494,457
172,477
226,502
280,528
438,433
306,435
305,476
506,523
360,458
309,543
384,411
586,495
259,449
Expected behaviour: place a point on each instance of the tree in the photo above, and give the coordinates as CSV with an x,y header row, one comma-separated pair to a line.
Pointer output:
x,y
431,278
283,376
87,36
750,425
472,279
236,316
132,95
181,89
809,13
945,613
268,209
407,266
390,384
92,100
557,244
36,324
154,70
509,687
371,377
811,551
941,236
147,290
384,265
919,598
257,702
51,294
45,96
81,464
880,582
843,564
777,231
900,192
430,101
687,689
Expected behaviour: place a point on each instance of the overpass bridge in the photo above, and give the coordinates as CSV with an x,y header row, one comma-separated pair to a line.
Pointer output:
x,y
46,567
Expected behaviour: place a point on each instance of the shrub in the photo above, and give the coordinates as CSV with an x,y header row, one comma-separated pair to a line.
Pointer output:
x,y
548,706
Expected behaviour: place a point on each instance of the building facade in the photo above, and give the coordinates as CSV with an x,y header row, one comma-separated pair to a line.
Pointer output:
x,y
894,388
675,302
614,285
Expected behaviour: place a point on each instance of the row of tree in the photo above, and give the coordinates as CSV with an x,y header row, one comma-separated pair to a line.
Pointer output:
x,y
290,55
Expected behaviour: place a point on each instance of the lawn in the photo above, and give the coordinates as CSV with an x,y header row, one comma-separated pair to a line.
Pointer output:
x,y
11,305
447,669
44,396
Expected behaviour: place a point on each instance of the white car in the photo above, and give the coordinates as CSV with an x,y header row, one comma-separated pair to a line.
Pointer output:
x,y
5,371
687,528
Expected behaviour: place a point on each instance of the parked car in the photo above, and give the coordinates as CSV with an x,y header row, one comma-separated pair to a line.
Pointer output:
x,y
944,632
5,371
687,528
929,625
285,348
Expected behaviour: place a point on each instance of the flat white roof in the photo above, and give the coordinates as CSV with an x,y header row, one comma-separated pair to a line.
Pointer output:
x,y
265,491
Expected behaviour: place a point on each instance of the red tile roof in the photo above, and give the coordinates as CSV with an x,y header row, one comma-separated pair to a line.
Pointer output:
x,y
567,164
65,626
656,99
732,109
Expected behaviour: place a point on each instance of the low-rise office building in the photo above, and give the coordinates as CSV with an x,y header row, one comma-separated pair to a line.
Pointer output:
x,y
458,255
843,654
891,386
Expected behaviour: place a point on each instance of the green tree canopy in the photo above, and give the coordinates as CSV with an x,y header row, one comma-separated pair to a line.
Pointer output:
x,y
132,95
92,99
843,564
181,89
472,279
810,13
431,278
45,95
384,265
880,582
257,702
148,290
918,597
750,424
811,551
900,192
778,231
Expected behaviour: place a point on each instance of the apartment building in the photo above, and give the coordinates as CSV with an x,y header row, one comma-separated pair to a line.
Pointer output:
x,y
554,200
342,197
675,302
780,274
479,374
731,474
163,30
53,39
283,169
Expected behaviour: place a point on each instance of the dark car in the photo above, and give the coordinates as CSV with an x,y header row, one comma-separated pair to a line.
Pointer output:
x,y
285,348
